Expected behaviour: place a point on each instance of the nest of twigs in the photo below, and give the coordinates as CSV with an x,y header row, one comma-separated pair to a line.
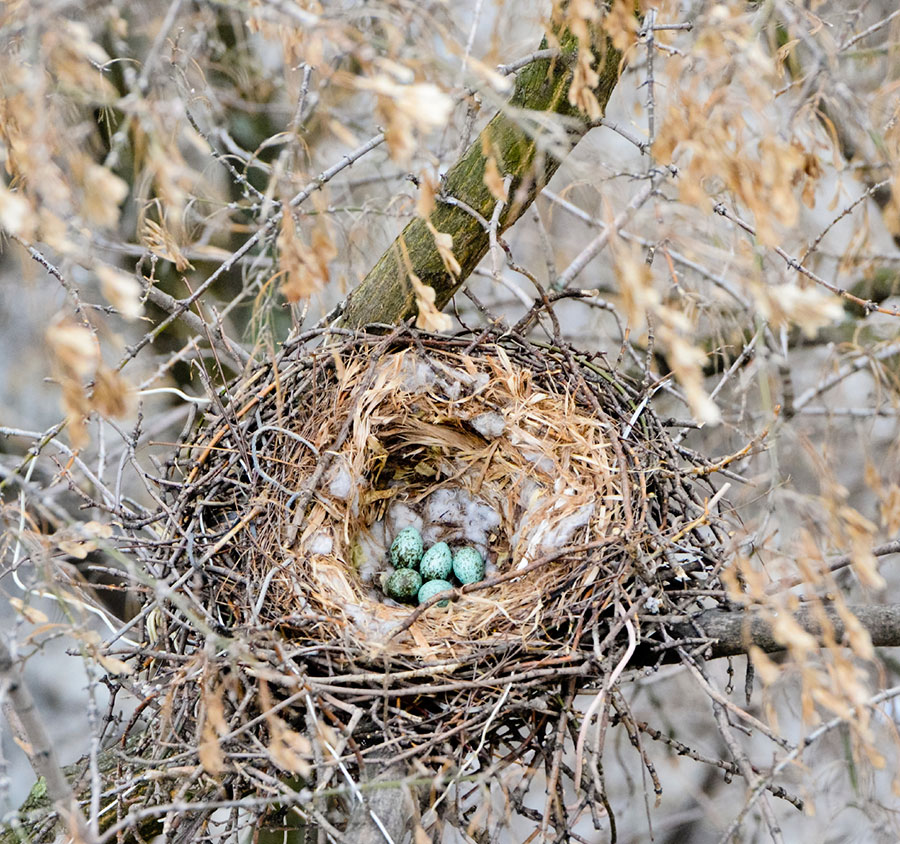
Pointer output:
x,y
282,505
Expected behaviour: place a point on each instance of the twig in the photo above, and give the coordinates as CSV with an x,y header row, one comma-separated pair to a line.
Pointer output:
x,y
39,747
866,304
760,787
568,275
269,227
600,699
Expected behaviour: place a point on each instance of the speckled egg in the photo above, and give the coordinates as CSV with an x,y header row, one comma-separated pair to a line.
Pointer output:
x,y
406,549
437,562
404,585
432,588
468,565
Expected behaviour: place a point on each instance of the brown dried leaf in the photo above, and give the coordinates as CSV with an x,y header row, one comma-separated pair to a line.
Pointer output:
x,y
425,200
16,215
112,394
687,362
639,296
406,109
113,665
121,290
100,530
288,749
76,406
77,548
444,243
857,635
306,268
93,644
493,181
787,631
210,752
31,614
621,24
159,241
74,57
74,347
584,80
54,232
104,191
429,317
862,532
875,758
807,307
890,509
80,540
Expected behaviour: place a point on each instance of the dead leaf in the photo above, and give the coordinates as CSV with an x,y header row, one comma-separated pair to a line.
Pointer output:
x,y
429,317
159,241
288,749
77,409
122,290
73,346
100,530
209,752
425,199
406,109
31,614
112,394
104,191
621,24
306,268
112,665
444,243
16,215
77,548
493,181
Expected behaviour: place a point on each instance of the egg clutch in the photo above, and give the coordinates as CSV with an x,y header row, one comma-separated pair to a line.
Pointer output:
x,y
435,567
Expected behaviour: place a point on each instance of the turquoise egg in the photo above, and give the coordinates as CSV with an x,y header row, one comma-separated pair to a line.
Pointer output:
x,y
404,585
468,565
406,549
431,588
437,562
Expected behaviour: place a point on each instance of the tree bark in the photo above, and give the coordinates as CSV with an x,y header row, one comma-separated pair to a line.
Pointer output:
x,y
734,633
386,811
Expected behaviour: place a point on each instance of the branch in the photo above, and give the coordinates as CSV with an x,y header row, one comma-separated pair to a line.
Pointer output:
x,y
520,140
383,814
734,632
731,633
35,741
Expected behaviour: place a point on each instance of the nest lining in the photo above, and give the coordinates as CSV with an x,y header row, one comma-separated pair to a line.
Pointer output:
x,y
546,480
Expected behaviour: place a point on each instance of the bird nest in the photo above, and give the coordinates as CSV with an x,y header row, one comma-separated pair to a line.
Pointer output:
x,y
272,630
